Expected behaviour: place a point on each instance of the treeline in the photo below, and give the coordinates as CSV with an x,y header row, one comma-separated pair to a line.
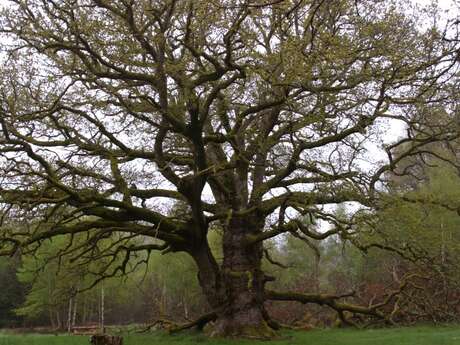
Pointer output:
x,y
406,255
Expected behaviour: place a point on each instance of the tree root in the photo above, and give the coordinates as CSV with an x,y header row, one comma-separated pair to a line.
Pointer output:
x,y
198,323
270,322
223,329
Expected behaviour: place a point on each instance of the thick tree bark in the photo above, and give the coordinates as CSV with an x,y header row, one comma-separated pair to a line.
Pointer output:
x,y
209,275
239,294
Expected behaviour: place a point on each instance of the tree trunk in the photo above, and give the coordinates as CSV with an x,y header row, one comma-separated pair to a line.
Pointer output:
x,y
51,317
69,316
209,275
74,316
102,322
85,309
58,319
238,297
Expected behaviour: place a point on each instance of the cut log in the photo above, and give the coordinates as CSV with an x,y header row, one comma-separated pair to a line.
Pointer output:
x,y
106,340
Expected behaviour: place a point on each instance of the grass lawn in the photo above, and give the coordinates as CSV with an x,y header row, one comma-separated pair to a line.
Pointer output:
x,y
448,335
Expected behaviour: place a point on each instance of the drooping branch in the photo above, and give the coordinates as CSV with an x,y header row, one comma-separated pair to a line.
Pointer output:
x,y
333,301
199,323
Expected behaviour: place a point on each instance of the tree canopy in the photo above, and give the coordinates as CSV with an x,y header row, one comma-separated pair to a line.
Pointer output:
x,y
251,114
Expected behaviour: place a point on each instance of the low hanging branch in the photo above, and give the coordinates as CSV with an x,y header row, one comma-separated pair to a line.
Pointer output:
x,y
198,323
333,301
329,300
172,327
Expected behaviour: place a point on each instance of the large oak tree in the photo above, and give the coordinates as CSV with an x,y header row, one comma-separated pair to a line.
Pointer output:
x,y
249,113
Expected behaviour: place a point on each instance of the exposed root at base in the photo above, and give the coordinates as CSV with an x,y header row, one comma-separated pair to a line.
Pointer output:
x,y
198,323
223,329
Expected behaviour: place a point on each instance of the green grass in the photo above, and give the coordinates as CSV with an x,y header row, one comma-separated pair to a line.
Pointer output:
x,y
448,335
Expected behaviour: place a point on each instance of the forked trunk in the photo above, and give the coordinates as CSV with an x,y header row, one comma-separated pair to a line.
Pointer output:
x,y
239,298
